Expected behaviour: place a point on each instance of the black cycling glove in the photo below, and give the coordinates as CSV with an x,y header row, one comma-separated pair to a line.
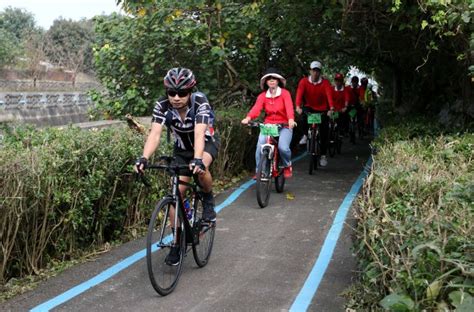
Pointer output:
x,y
141,161
197,162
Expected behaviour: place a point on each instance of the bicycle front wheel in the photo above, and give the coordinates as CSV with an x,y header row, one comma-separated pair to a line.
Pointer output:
x,y
203,235
352,132
160,238
339,143
332,142
313,151
264,181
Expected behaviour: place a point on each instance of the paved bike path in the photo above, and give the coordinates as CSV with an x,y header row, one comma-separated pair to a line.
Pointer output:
x,y
260,261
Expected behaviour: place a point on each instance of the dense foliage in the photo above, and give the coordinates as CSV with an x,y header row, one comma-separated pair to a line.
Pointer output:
x,y
414,235
419,51
70,44
15,27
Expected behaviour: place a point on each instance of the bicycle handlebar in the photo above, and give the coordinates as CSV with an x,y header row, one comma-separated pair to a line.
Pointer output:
x,y
167,166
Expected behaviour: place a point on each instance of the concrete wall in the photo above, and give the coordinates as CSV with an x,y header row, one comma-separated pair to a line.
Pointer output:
x,y
44,109
28,85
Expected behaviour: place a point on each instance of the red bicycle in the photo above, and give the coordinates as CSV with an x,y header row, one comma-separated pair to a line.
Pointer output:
x,y
270,166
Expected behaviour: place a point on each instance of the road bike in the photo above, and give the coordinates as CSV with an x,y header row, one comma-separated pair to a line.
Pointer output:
x,y
270,166
192,231
335,140
313,144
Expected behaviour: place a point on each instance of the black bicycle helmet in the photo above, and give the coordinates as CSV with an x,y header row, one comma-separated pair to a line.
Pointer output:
x,y
179,79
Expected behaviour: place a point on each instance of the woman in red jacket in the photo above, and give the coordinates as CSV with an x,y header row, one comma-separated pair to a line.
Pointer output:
x,y
278,106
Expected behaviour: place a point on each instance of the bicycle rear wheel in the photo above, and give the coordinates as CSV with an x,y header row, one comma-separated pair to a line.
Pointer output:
x,y
264,180
159,240
280,181
203,235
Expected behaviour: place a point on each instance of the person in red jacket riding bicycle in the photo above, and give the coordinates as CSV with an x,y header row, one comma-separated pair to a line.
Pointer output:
x,y
315,92
276,101
340,93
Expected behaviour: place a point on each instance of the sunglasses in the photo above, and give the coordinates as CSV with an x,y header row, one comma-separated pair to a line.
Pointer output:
x,y
181,93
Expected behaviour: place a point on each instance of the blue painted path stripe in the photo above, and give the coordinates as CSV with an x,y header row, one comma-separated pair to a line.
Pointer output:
x,y
306,294
105,275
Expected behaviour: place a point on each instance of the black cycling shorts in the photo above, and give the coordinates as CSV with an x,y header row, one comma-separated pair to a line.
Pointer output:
x,y
184,157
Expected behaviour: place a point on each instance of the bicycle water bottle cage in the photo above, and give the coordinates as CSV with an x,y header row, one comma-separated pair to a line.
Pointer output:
x,y
268,148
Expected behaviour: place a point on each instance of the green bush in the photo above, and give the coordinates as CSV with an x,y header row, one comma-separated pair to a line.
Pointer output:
x,y
415,230
64,190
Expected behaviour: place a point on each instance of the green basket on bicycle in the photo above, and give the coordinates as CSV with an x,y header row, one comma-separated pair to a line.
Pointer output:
x,y
269,129
314,118
353,112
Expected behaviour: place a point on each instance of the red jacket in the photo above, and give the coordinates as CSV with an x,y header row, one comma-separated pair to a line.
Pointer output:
x,y
277,110
353,95
340,97
317,96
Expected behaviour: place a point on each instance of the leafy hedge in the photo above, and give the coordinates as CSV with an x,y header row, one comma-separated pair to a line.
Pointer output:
x,y
415,229
63,191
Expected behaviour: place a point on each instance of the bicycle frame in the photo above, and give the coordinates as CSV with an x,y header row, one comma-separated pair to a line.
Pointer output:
x,y
176,197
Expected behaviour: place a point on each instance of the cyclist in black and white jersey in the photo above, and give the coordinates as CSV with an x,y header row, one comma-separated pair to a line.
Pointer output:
x,y
191,119
183,130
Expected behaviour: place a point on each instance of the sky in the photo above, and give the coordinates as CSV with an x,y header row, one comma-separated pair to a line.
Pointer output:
x,y
46,11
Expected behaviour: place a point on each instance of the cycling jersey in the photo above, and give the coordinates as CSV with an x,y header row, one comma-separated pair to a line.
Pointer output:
x,y
183,130
315,95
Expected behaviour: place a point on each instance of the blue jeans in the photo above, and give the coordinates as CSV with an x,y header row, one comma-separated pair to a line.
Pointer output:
x,y
284,141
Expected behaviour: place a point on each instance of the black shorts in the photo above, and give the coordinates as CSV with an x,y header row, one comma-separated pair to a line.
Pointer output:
x,y
184,157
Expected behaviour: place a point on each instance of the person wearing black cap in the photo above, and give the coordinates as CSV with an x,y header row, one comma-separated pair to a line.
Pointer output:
x,y
278,106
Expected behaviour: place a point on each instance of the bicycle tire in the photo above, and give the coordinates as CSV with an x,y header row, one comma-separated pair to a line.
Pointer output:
x,y
317,153
203,234
311,154
163,277
332,142
264,181
352,132
339,144
280,181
